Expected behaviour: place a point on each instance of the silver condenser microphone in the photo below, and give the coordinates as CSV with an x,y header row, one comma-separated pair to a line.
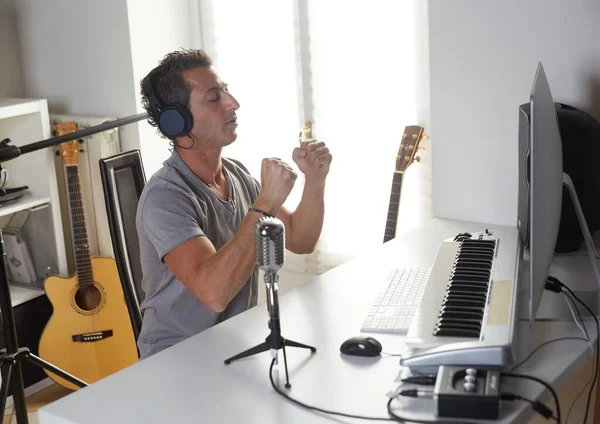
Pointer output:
x,y
269,237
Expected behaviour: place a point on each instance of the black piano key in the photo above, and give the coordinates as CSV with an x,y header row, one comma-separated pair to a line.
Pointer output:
x,y
460,263
476,297
446,322
476,250
475,257
465,303
477,280
459,323
456,332
467,288
478,243
469,276
461,313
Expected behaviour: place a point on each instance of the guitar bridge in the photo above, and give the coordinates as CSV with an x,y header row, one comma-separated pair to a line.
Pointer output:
x,y
93,337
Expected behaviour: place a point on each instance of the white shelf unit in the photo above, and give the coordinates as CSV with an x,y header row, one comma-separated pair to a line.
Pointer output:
x,y
26,121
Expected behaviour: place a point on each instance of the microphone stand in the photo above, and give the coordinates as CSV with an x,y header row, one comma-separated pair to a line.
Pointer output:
x,y
274,341
13,355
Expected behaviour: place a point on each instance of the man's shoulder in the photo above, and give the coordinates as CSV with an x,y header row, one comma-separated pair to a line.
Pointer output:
x,y
234,164
165,187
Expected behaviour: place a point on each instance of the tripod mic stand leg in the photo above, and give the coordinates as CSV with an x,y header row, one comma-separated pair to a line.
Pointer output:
x,y
287,377
292,343
54,370
263,347
6,377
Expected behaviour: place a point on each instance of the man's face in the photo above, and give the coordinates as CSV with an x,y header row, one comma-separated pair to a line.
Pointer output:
x,y
212,107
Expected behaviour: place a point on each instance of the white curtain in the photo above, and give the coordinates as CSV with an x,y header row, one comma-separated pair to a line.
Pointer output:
x,y
358,71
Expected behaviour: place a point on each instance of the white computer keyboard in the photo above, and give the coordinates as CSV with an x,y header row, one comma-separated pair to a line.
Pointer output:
x,y
394,308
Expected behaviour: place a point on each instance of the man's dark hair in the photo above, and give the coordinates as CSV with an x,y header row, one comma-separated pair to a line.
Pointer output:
x,y
168,84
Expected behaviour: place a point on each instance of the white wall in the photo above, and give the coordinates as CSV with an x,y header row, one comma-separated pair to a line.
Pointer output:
x,y
87,58
11,84
157,27
483,58
77,55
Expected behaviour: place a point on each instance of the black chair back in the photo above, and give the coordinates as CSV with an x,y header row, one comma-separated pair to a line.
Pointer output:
x,y
123,179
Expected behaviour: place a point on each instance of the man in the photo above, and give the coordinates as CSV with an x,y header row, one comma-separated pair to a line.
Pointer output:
x,y
196,215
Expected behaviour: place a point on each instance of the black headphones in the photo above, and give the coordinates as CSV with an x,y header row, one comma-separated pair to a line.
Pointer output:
x,y
174,119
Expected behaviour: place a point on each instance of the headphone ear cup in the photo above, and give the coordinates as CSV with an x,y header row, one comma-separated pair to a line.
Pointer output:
x,y
175,120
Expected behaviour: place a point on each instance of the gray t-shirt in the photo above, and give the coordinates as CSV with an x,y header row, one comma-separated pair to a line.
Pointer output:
x,y
174,207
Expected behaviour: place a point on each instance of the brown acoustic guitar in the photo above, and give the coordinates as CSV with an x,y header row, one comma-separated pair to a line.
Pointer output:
x,y
89,334
411,138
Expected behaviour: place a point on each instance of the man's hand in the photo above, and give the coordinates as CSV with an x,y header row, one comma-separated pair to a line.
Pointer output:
x,y
277,181
313,159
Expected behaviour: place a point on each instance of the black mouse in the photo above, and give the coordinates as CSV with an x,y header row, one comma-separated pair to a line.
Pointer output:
x,y
361,346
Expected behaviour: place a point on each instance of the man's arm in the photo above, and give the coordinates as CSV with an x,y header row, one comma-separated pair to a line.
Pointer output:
x,y
215,277
303,226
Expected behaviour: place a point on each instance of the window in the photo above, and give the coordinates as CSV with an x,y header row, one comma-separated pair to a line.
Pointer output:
x,y
355,69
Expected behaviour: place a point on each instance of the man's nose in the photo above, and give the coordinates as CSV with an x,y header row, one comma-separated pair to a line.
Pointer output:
x,y
232,103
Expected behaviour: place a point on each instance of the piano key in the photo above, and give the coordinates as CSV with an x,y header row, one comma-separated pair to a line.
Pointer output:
x,y
447,322
477,243
475,297
467,287
456,332
460,313
465,303
470,276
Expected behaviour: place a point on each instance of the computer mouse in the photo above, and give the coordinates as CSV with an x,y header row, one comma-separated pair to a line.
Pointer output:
x,y
361,346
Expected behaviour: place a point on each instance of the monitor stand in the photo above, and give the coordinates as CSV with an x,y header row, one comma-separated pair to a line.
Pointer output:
x,y
572,269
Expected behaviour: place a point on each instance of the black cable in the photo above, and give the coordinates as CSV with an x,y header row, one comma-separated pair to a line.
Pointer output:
x,y
391,354
542,345
540,381
537,406
557,282
314,408
588,337
426,380
399,418
570,299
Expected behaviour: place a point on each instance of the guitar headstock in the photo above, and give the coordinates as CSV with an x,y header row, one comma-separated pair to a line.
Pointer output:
x,y
69,150
412,136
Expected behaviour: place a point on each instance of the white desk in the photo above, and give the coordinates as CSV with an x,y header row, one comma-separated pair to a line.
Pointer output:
x,y
190,383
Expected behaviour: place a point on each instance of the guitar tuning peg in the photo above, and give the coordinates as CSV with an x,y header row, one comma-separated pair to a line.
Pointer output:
x,y
424,137
417,159
419,149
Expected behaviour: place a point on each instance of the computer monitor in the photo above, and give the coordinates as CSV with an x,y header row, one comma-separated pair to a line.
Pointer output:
x,y
540,184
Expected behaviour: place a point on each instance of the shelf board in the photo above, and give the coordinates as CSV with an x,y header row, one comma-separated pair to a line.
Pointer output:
x,y
20,295
28,201
17,107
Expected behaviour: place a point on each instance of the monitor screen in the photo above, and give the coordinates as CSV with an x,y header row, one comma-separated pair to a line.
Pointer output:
x,y
541,193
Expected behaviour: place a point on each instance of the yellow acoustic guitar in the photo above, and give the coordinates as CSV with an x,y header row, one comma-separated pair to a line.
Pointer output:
x,y
89,334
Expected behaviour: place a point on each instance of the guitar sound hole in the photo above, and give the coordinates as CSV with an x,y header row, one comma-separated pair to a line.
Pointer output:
x,y
88,298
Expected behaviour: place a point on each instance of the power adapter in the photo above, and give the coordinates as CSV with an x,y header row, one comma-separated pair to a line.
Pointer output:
x,y
467,392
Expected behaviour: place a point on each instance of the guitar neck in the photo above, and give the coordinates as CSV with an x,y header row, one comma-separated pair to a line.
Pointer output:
x,y
393,208
83,262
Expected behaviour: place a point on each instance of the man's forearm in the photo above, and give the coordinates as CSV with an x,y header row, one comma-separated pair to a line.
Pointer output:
x,y
224,274
307,219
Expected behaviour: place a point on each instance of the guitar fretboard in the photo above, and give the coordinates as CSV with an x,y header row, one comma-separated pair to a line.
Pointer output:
x,y
392,216
83,262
